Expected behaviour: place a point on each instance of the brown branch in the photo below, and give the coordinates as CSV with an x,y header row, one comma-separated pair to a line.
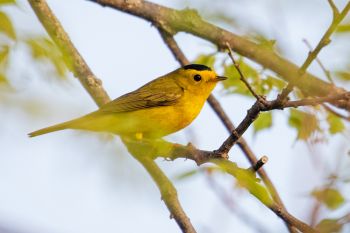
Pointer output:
x,y
173,21
314,101
266,105
94,87
303,227
201,157
172,151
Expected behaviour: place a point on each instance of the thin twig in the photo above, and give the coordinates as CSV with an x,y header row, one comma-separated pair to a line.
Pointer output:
x,y
325,71
242,78
334,8
315,101
94,87
258,107
329,109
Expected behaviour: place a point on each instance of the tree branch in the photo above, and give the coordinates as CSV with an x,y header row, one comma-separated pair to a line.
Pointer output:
x,y
325,40
94,87
173,21
265,105
205,156
145,155
167,150
74,61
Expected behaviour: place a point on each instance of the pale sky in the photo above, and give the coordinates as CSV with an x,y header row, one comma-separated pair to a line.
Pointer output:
x,y
72,182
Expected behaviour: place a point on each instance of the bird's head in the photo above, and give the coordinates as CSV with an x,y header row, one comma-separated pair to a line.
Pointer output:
x,y
196,78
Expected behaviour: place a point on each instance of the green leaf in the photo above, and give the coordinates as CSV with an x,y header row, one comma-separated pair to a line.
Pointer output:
x,y
264,121
3,80
40,47
343,75
246,179
235,85
336,124
44,49
187,174
7,2
344,28
305,123
330,197
263,42
329,226
272,82
208,60
6,26
4,53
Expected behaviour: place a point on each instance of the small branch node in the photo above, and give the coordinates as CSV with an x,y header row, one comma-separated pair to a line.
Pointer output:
x,y
261,162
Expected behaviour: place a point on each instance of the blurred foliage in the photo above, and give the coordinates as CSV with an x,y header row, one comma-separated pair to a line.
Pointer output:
x,y
305,123
264,121
343,75
43,51
245,178
208,60
263,42
330,197
187,174
7,2
6,26
329,226
262,83
335,123
343,28
7,34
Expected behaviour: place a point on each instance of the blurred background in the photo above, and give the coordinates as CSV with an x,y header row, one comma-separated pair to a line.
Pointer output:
x,y
73,181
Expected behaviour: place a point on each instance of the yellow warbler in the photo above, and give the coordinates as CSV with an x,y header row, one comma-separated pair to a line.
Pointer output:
x,y
161,107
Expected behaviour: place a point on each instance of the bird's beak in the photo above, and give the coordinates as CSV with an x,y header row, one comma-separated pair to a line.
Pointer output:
x,y
219,78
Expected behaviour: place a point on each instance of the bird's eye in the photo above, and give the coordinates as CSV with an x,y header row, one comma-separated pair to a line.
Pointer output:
x,y
197,78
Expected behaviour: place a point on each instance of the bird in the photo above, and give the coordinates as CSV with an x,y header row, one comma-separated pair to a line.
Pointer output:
x,y
161,107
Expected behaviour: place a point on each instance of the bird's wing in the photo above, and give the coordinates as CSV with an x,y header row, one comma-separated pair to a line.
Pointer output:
x,y
160,92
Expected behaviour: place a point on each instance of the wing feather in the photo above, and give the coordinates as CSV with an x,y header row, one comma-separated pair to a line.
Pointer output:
x,y
160,92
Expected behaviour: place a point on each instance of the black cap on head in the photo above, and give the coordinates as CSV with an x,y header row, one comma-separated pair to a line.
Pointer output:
x,y
196,67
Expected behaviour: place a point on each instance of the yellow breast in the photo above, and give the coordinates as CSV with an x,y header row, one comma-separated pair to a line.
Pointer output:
x,y
158,121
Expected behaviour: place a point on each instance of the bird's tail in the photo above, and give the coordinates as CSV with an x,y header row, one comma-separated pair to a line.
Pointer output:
x,y
50,129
